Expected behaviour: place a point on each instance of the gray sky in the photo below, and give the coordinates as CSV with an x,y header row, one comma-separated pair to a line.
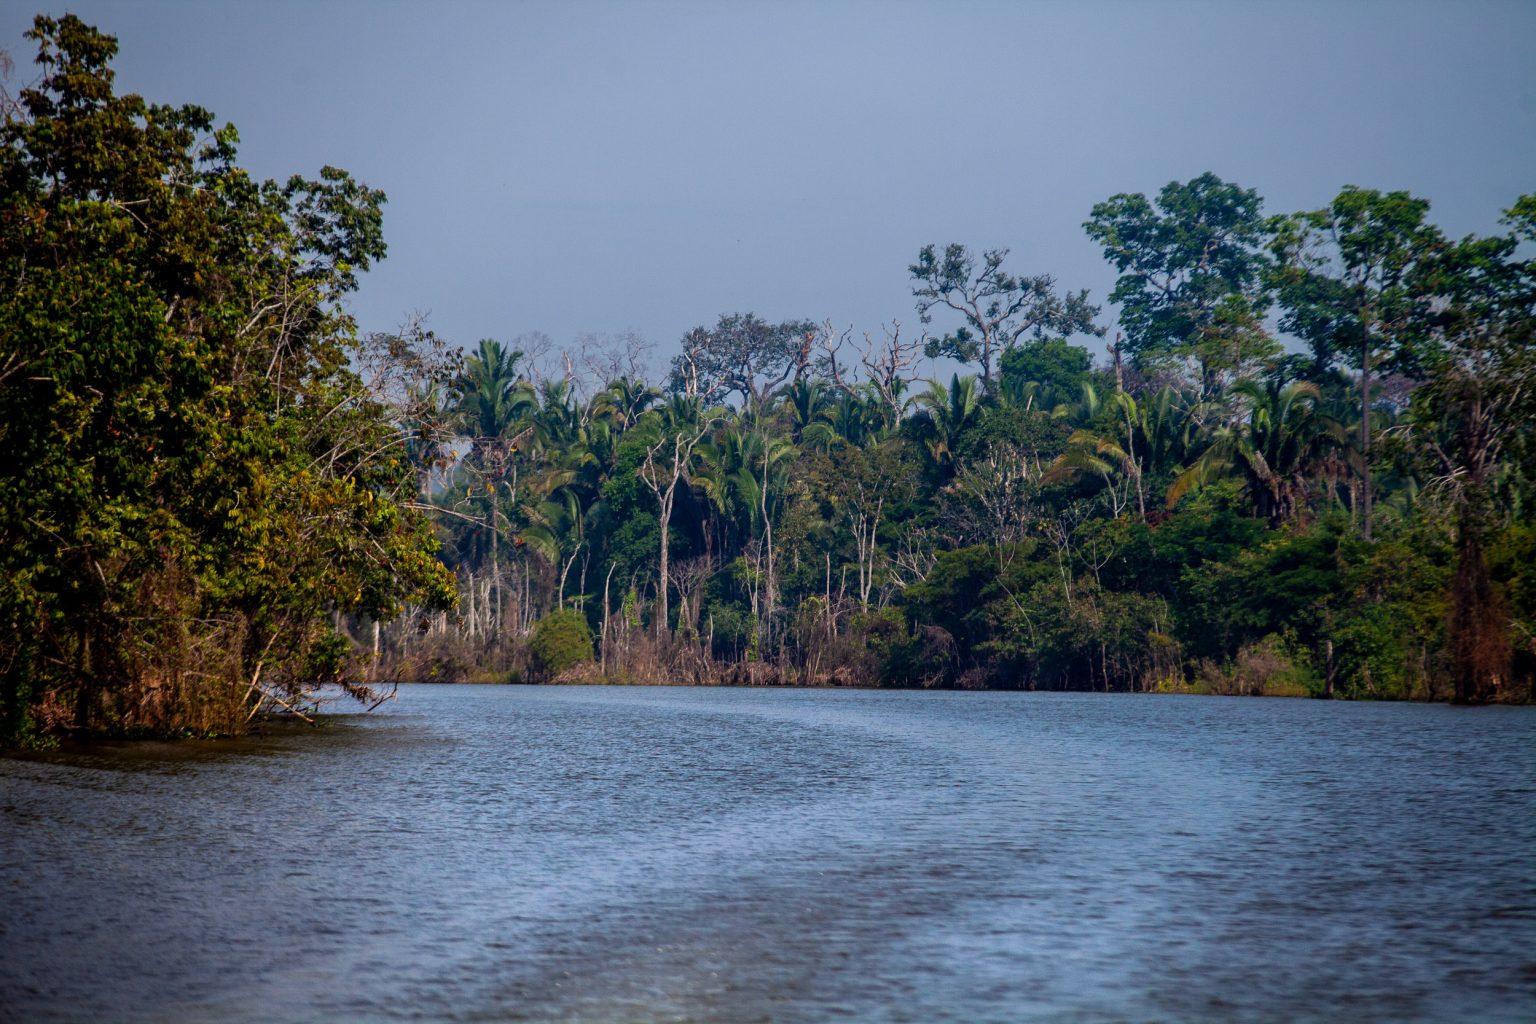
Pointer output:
x,y
601,167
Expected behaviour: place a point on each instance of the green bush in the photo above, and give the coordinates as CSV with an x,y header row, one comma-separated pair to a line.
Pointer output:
x,y
560,639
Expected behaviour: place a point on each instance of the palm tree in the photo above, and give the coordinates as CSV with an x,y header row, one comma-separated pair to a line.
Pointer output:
x,y
493,401
1140,439
493,397
886,408
560,420
950,411
623,402
806,403
720,477
744,475
1285,443
556,531
860,418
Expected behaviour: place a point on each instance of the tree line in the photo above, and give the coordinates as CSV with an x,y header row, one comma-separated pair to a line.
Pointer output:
x,y
1305,467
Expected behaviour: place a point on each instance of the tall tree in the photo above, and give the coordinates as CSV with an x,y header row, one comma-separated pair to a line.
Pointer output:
x,y
197,475
1343,275
494,403
1474,420
493,396
743,355
680,427
1191,268
997,308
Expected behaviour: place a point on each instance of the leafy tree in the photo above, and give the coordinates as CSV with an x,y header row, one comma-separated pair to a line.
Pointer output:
x,y
1057,369
742,355
1191,281
997,308
560,639
1212,526
198,477
1344,279
1474,421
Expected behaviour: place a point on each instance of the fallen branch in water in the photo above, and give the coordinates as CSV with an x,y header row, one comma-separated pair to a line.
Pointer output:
x,y
274,698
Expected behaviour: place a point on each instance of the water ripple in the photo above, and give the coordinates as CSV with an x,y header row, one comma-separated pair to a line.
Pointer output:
x,y
592,854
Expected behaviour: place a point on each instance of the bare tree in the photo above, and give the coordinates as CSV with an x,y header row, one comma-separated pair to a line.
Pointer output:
x,y
666,465
992,500
864,485
690,578
539,355
889,363
10,107
914,558
605,358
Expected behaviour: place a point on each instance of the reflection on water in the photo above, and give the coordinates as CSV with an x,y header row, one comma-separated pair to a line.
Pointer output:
x,y
594,854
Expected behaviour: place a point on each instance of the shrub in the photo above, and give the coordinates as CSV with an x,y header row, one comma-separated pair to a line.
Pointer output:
x,y
560,639
1269,667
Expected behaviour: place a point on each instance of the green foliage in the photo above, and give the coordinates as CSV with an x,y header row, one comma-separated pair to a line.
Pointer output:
x,y
198,473
1284,450
1344,273
1048,373
1196,520
1191,263
560,639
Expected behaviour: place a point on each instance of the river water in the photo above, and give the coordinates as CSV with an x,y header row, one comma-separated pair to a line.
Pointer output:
x,y
658,854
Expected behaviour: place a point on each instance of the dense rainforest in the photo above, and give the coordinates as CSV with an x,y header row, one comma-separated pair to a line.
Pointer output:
x,y
1306,465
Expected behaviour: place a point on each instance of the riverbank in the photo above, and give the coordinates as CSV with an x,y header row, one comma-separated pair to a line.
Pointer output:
x,y
767,677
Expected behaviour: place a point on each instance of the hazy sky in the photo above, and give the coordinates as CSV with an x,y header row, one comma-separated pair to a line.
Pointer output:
x,y
601,167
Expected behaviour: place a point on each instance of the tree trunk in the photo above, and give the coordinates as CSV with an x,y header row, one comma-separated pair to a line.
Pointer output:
x,y
603,648
1480,652
769,594
1330,672
664,621
471,592
85,696
495,571
1365,436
